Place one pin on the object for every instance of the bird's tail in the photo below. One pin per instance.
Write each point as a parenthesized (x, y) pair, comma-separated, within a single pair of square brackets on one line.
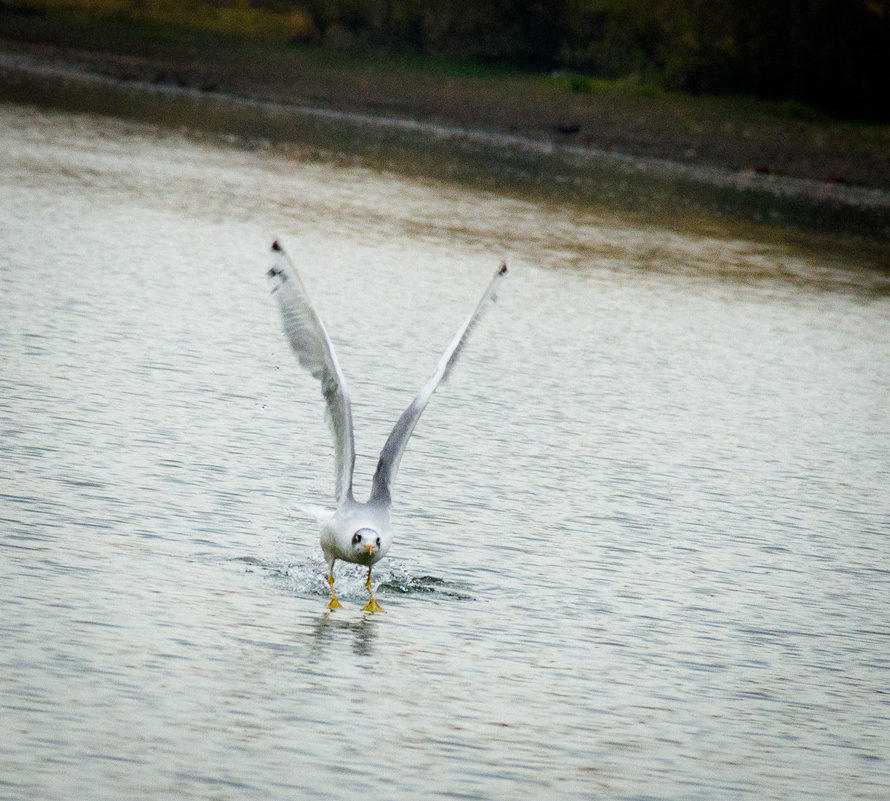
[(320, 513)]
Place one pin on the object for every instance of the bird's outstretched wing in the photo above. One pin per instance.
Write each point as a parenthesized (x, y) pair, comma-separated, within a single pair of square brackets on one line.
[(391, 455), (309, 340)]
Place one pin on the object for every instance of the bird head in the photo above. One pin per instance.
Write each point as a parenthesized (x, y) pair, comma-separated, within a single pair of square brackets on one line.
[(366, 546)]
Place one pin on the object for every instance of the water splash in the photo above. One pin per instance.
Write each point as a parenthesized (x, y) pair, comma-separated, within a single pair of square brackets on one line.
[(308, 578), (401, 581)]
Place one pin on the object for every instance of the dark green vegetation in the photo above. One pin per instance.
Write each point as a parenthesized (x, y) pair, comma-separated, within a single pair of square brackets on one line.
[(829, 53)]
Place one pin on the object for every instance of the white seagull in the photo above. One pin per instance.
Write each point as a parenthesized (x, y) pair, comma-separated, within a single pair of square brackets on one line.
[(354, 531)]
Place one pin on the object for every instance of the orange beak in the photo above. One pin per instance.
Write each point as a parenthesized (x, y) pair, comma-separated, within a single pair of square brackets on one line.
[(370, 549)]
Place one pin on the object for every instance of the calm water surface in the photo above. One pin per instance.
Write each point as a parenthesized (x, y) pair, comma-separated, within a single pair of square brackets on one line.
[(641, 536)]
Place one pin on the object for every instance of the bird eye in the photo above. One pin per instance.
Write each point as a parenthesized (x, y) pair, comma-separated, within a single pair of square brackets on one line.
[(378, 542), (356, 538)]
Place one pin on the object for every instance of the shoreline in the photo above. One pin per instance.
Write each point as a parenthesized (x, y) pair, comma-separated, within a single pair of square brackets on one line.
[(55, 72)]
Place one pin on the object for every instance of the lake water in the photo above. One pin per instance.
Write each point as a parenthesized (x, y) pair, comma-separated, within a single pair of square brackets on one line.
[(641, 536)]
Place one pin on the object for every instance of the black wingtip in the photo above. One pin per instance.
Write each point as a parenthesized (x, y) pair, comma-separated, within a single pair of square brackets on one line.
[(503, 270), (276, 247)]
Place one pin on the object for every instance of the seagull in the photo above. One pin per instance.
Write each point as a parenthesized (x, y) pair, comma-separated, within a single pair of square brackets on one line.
[(355, 532)]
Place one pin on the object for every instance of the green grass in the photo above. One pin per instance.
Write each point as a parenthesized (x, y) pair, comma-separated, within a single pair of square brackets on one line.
[(237, 18)]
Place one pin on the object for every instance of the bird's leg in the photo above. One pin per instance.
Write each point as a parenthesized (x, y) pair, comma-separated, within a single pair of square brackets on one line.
[(372, 605), (333, 603)]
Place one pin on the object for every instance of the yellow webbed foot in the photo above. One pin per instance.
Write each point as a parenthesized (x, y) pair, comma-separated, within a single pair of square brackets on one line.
[(333, 603), (373, 606)]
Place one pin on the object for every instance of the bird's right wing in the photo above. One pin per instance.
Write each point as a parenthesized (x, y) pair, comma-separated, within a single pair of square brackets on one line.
[(391, 455), (309, 340)]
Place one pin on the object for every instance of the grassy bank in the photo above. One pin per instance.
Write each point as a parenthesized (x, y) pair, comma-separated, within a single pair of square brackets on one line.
[(255, 53)]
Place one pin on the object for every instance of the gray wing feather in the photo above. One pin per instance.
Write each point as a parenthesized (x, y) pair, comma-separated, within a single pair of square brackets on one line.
[(309, 340), (391, 455)]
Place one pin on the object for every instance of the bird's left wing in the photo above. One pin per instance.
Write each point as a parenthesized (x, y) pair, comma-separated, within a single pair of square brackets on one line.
[(309, 340), (391, 455)]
